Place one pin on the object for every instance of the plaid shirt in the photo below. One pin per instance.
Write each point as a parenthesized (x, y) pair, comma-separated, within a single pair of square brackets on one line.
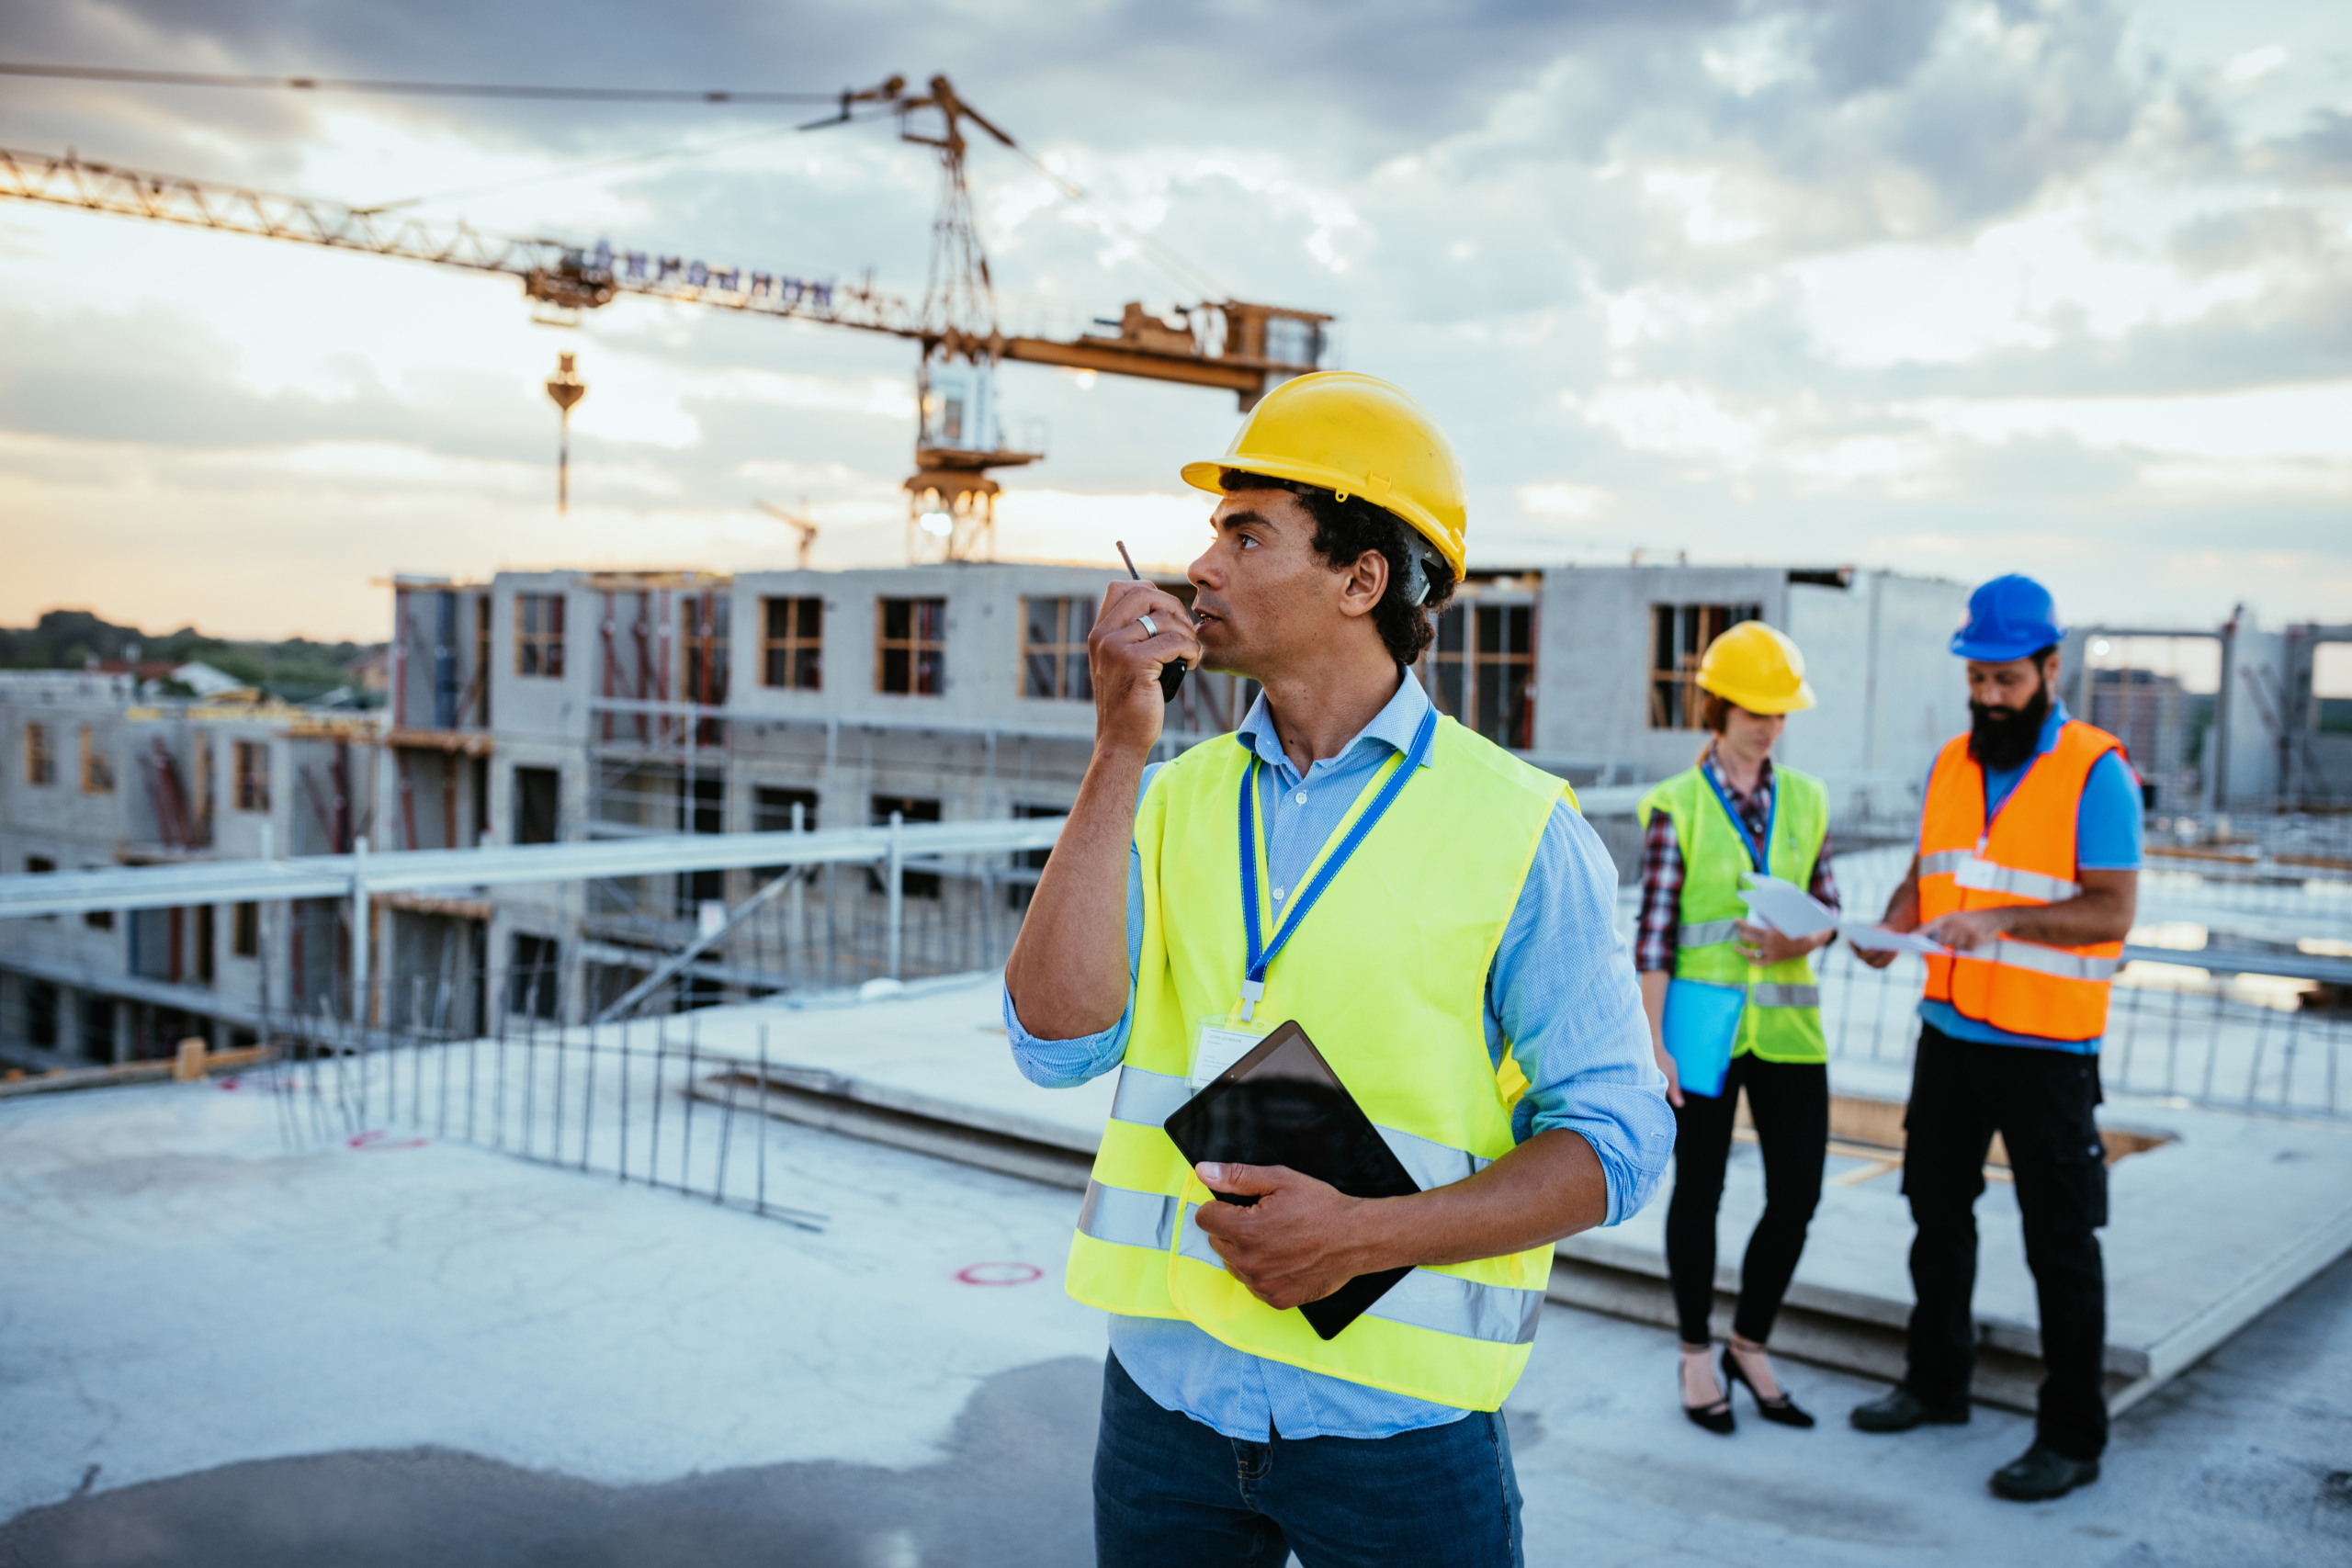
[(1655, 932)]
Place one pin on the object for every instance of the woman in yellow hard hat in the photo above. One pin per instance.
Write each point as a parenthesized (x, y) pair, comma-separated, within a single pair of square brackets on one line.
[(1733, 1005)]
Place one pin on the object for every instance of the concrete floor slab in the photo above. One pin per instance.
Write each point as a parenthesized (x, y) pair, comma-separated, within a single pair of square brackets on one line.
[(2231, 1213), (214, 1351)]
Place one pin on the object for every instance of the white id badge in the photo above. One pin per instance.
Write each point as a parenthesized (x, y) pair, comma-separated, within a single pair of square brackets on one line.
[(1217, 1043)]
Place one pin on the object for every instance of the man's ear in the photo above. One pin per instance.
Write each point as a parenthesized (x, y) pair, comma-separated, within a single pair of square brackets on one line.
[(1367, 582)]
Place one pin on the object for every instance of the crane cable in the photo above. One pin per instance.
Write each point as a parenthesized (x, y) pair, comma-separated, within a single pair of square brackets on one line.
[(414, 89)]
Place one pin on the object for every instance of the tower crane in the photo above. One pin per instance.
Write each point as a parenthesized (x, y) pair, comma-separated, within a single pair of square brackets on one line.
[(1230, 344)]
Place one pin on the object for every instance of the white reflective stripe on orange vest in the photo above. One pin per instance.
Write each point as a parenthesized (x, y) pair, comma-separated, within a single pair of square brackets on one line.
[(1943, 863), (2044, 960), (1986, 876)]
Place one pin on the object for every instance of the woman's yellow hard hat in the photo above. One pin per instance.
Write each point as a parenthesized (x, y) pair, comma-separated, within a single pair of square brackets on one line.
[(1757, 668), (1355, 435)]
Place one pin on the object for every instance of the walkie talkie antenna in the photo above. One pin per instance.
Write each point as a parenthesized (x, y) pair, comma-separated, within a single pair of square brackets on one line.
[(1171, 674)]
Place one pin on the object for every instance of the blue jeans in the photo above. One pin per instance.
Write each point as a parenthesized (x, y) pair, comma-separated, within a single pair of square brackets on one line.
[(1170, 1492)]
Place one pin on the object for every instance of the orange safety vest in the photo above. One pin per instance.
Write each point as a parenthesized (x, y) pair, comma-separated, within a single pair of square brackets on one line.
[(2028, 858)]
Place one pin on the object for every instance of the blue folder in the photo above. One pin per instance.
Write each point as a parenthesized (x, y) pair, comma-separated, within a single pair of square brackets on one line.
[(1700, 1025)]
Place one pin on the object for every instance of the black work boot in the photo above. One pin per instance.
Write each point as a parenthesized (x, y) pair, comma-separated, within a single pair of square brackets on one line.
[(1902, 1410), (2039, 1474)]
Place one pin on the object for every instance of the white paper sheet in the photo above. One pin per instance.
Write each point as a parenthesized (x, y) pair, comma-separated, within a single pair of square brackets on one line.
[(1880, 939), (1785, 907)]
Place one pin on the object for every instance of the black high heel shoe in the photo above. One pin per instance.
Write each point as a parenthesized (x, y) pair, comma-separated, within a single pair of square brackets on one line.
[(1716, 1417), (1783, 1410)]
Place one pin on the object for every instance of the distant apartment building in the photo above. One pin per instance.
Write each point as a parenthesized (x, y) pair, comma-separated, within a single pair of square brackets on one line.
[(90, 776), (541, 707), (573, 705)]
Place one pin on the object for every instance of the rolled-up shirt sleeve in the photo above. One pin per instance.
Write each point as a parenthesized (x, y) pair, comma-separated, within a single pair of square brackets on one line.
[(1561, 997)]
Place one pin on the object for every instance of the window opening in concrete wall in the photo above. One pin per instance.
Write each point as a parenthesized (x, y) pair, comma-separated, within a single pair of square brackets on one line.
[(97, 1028), (253, 775), (98, 919), (791, 651), (910, 646), (538, 633), (244, 931), (771, 813), (696, 888), (481, 661), (207, 918), (39, 865), (40, 1014), (705, 625), (536, 794), (1053, 648), (41, 762), (1679, 638), (910, 808), (98, 768), (531, 985), (1481, 671)]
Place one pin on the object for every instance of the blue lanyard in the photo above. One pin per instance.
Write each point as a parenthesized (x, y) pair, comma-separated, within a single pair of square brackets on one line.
[(1757, 854), (1261, 956)]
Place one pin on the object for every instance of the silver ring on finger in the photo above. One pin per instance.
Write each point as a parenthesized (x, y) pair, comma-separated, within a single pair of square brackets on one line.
[(1150, 627)]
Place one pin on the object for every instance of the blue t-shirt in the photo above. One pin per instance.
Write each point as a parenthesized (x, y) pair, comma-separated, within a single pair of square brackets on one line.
[(2107, 837)]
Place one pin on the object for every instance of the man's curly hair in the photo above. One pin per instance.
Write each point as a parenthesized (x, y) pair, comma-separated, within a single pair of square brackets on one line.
[(1343, 531)]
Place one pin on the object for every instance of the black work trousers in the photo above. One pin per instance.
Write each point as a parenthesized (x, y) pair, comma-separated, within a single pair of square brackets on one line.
[(2040, 1101), (1789, 1102)]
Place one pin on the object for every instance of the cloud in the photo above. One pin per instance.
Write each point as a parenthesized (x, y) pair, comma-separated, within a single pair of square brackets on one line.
[(1739, 277)]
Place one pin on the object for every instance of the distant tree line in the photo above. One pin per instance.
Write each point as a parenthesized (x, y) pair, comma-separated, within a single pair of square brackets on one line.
[(295, 669)]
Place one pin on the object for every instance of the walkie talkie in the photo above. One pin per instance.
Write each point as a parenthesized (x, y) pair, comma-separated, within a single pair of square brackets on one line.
[(1171, 674)]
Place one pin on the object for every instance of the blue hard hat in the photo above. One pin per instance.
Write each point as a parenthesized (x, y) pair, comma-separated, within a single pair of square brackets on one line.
[(2009, 617)]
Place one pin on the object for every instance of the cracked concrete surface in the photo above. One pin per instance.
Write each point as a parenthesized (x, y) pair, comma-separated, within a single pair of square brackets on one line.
[(440, 1354)]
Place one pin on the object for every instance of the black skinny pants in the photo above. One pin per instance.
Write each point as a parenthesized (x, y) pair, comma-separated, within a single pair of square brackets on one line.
[(2040, 1102), (1789, 1102)]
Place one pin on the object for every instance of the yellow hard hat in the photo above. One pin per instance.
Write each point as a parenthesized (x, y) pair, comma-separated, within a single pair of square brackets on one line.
[(1356, 436), (1757, 668)]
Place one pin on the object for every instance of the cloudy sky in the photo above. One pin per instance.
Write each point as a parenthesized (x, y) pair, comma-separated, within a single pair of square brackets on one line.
[(1952, 288)]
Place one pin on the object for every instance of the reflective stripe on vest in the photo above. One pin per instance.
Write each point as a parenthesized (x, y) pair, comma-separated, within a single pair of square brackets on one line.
[(1444, 1304), (2058, 961), (2023, 857), (1127, 1218), (1405, 1031), (1985, 876), (1783, 1023), (1150, 1099), (1147, 1098)]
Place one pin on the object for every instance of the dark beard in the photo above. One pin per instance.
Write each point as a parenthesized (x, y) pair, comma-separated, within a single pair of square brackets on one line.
[(2003, 740)]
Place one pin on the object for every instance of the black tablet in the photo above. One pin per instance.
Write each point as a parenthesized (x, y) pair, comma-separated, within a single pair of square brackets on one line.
[(1281, 1104)]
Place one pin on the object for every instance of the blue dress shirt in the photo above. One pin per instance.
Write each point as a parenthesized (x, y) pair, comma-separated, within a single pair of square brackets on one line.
[(2107, 837), (1560, 996)]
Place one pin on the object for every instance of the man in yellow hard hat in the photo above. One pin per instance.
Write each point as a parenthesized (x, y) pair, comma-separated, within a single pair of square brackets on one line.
[(1437, 917), (1733, 1005)]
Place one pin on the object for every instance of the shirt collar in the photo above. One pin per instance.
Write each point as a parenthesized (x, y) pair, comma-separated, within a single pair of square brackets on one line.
[(1763, 777), (1392, 727)]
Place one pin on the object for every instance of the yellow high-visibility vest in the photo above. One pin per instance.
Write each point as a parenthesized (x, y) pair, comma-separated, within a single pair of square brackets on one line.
[(1387, 975), (1783, 1020)]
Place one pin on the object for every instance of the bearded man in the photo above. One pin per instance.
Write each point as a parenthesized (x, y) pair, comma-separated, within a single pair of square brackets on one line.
[(2027, 869)]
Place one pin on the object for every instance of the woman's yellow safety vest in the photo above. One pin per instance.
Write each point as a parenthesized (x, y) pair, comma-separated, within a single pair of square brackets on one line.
[(1387, 975), (1783, 1020)]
